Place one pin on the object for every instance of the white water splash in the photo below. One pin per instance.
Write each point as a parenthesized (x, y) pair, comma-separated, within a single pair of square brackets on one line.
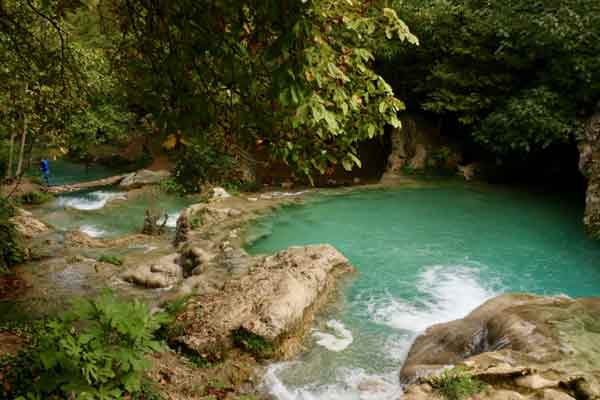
[(172, 219), (447, 293), (444, 293), (92, 231), (352, 384), (338, 340), (91, 201)]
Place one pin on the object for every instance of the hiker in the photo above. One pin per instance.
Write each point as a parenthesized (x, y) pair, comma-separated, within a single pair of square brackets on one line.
[(45, 168)]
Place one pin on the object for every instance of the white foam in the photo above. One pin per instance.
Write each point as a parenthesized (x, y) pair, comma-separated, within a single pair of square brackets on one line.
[(338, 340), (172, 219), (92, 231), (351, 384), (91, 201), (447, 293), (444, 293)]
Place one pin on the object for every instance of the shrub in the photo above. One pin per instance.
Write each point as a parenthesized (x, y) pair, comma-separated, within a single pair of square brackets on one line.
[(111, 259), (35, 198), (96, 351), (12, 251), (171, 186), (252, 343), (202, 162), (456, 384)]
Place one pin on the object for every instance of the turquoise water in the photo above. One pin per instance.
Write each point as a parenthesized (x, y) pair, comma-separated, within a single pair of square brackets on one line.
[(107, 212), (425, 255)]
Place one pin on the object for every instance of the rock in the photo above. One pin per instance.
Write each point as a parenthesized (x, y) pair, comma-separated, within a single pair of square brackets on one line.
[(419, 145), (589, 165), (27, 225), (468, 171), (205, 214), (521, 342), (143, 177), (10, 344), (535, 382), (274, 298), (551, 394), (218, 193), (164, 273)]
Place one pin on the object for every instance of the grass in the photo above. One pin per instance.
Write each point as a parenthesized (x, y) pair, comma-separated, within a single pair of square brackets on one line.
[(456, 384)]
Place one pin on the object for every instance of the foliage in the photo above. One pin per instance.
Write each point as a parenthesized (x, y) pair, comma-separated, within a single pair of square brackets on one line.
[(305, 89), (456, 384), (35, 197), (96, 351), (13, 251), (202, 162), (111, 259), (171, 327), (171, 186), (252, 343), (516, 75)]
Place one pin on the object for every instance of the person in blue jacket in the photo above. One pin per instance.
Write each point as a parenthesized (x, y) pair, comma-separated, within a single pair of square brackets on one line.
[(45, 168)]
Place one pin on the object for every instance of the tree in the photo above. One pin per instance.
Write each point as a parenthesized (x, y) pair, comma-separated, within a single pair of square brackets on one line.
[(516, 74), (293, 76)]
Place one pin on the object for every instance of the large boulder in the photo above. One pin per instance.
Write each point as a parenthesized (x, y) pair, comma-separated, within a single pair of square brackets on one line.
[(143, 177), (273, 301), (589, 165), (540, 347)]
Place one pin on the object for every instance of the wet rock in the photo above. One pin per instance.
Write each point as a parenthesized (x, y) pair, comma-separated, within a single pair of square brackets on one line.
[(273, 299), (27, 225), (165, 272), (143, 177)]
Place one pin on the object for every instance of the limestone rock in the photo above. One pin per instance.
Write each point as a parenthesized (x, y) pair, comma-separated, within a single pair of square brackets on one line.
[(551, 394), (165, 272), (27, 225), (143, 177), (535, 382), (218, 193), (419, 145), (274, 299), (589, 165), (533, 345)]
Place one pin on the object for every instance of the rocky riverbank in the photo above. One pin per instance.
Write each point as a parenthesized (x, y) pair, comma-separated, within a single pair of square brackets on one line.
[(520, 346)]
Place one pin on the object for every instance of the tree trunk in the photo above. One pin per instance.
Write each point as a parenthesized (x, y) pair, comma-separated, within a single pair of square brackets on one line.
[(11, 146), (23, 137)]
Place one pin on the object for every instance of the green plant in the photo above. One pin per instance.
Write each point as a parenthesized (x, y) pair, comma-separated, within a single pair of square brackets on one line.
[(111, 259), (171, 186), (12, 251), (252, 343), (456, 384), (202, 162), (35, 198), (96, 351)]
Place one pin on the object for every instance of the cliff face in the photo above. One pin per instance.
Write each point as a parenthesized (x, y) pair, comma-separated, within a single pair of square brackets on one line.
[(589, 165)]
